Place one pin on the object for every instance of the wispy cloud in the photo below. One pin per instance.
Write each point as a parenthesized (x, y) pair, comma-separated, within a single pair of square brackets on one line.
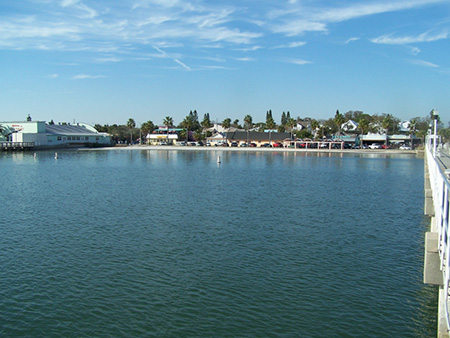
[(53, 76), (163, 54), (300, 19), (245, 59), (351, 40), (300, 62), (404, 40), (424, 63), (415, 50), (87, 76), (294, 44)]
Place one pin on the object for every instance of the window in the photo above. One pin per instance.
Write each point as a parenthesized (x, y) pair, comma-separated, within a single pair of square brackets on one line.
[(59, 138), (97, 138), (86, 138), (78, 138)]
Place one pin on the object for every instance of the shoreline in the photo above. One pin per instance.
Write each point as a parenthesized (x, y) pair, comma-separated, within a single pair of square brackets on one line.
[(251, 149)]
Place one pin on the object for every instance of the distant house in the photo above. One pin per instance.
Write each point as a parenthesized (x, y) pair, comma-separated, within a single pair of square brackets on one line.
[(53, 135), (164, 134), (301, 125), (349, 126), (216, 139), (403, 126)]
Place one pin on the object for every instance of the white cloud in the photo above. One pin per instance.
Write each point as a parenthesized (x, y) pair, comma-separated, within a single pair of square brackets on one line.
[(87, 76), (245, 59), (108, 59), (424, 63), (299, 62), (292, 45), (296, 21), (182, 64), (53, 76), (424, 37), (415, 50), (351, 40)]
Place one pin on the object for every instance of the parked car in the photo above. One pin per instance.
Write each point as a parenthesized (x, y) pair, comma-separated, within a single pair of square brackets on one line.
[(243, 145), (375, 146), (278, 145), (253, 145), (405, 147), (266, 145), (182, 143), (162, 143), (234, 144), (208, 144), (384, 146)]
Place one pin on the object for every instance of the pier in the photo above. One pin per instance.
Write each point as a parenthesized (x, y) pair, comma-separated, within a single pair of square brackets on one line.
[(12, 146), (437, 241)]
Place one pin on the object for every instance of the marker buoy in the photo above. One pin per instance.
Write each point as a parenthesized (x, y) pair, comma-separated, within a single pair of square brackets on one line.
[(56, 156), (218, 159)]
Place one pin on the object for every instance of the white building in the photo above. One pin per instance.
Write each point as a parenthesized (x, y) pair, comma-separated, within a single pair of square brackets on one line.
[(52, 135)]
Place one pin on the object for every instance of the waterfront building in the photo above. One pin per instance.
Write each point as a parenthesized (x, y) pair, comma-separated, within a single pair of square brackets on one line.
[(164, 135), (256, 137), (43, 135)]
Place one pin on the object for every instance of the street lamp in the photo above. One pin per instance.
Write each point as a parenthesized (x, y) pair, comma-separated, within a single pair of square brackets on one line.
[(434, 116)]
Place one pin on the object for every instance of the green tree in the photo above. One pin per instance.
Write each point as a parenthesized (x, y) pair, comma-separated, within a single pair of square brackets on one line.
[(131, 125), (290, 124), (248, 122), (339, 120), (147, 128), (188, 124), (412, 130), (315, 127), (236, 124), (168, 122), (206, 123), (226, 123), (283, 119)]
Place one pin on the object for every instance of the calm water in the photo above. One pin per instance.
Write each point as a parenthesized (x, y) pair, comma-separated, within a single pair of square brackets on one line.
[(126, 243)]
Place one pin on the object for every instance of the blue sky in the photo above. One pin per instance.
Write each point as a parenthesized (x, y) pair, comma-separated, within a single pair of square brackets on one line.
[(106, 61)]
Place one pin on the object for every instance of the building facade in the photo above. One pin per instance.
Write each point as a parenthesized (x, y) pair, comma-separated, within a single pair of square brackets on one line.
[(52, 135)]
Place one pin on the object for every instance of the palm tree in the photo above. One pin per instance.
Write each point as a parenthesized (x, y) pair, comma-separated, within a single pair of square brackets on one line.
[(187, 123), (248, 122), (412, 129), (206, 123), (226, 124), (147, 128), (315, 126), (131, 125), (339, 120), (270, 124), (168, 122), (291, 123)]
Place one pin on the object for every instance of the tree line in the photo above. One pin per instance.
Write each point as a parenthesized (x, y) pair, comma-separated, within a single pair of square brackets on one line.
[(311, 128)]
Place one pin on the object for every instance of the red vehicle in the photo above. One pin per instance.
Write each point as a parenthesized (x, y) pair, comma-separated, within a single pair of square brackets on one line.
[(252, 144), (278, 145), (384, 146)]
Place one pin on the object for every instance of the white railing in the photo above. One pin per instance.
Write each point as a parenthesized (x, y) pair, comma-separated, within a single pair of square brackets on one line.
[(440, 191)]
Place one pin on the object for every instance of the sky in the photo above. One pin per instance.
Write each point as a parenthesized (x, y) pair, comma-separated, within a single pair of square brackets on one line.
[(106, 61)]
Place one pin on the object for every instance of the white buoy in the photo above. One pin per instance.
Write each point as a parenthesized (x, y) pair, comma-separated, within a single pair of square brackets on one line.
[(34, 155), (218, 159), (56, 156)]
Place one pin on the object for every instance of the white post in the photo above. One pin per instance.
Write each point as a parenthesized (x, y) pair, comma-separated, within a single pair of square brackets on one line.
[(435, 118)]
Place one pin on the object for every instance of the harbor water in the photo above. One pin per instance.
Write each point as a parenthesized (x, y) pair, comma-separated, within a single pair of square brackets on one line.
[(166, 243)]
